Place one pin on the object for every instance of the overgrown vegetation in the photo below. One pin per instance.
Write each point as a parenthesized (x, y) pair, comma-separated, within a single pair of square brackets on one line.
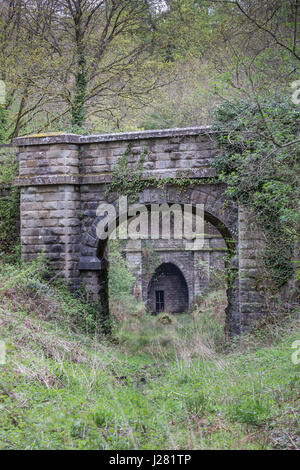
[(36, 284), (120, 285), (9, 207), (260, 163), (128, 182), (129, 179), (166, 385)]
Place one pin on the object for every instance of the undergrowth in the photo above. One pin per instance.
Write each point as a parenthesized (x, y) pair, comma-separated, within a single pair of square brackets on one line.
[(164, 383)]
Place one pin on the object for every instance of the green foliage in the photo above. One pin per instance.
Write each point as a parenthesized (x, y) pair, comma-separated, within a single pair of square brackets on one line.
[(120, 279), (28, 280), (167, 335), (298, 271), (120, 283), (130, 182), (250, 410), (198, 404), (9, 208), (3, 124), (218, 278), (260, 164), (126, 181), (62, 387), (8, 168)]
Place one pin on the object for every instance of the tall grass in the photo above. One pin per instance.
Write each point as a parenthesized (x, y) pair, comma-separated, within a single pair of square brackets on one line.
[(167, 385), (200, 333)]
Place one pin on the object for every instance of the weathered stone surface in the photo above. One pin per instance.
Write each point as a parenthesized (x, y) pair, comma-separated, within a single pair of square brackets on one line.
[(63, 180)]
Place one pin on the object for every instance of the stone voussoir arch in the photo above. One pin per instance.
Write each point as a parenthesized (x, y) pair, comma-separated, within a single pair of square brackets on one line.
[(63, 178)]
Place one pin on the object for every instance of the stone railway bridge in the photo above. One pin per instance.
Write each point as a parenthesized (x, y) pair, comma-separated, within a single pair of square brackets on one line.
[(63, 179)]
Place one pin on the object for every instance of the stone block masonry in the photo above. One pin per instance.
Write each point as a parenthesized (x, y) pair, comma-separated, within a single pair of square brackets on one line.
[(63, 178)]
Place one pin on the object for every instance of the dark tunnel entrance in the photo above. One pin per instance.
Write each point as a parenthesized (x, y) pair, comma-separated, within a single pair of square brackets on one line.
[(168, 291)]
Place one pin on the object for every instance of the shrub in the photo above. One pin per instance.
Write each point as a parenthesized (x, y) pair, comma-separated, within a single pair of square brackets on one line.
[(25, 287)]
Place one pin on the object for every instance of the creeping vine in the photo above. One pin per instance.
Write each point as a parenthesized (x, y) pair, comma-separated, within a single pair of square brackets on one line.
[(131, 182)]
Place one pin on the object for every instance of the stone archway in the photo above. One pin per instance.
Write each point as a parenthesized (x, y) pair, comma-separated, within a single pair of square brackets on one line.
[(63, 179), (168, 290), (223, 219)]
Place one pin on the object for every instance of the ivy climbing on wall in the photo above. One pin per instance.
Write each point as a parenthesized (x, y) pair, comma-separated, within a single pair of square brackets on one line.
[(131, 182), (260, 164)]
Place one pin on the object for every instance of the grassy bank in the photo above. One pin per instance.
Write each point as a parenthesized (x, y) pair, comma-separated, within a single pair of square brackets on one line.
[(159, 383)]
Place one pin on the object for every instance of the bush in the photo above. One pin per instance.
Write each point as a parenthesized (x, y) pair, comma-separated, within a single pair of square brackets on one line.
[(28, 287)]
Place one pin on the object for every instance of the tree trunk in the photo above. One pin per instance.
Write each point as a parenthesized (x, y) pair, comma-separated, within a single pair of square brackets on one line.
[(78, 112)]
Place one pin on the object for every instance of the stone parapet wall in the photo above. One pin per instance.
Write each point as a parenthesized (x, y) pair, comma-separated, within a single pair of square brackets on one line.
[(71, 159), (163, 157)]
